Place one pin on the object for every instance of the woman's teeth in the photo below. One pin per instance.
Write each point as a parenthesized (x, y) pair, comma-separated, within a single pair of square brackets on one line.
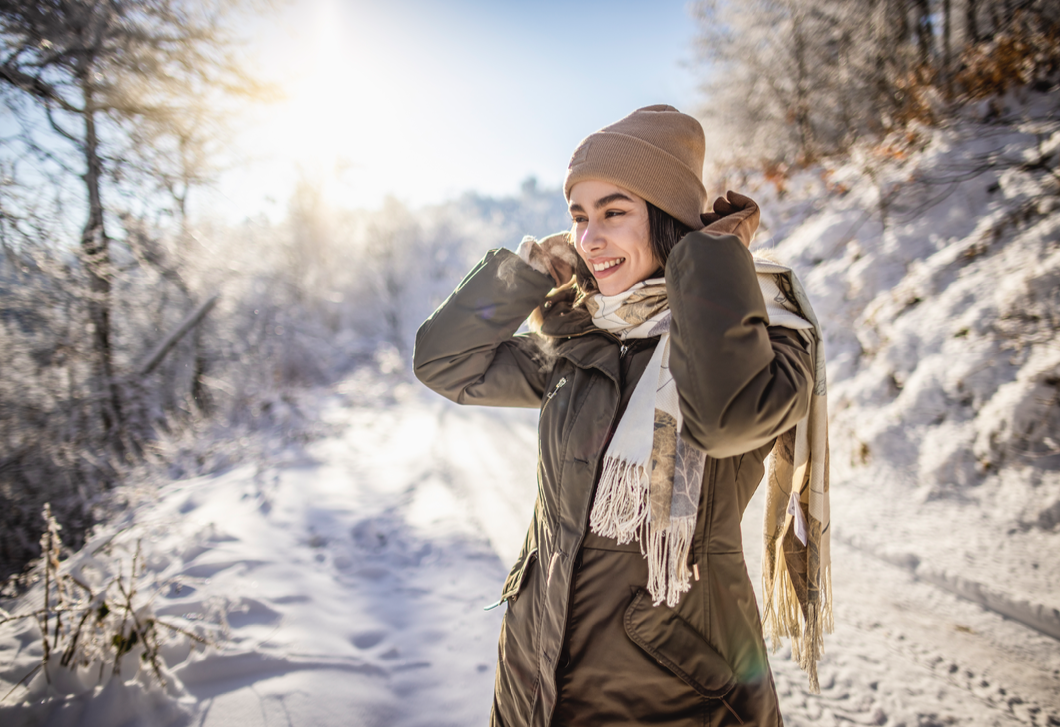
[(600, 267)]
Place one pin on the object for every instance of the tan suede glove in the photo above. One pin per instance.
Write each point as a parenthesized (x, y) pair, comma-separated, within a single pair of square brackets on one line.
[(738, 215), (554, 255)]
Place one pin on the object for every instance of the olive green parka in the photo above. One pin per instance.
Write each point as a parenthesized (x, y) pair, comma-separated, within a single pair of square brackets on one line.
[(581, 642)]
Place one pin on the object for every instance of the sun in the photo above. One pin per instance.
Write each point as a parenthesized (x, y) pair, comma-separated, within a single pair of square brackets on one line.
[(317, 129)]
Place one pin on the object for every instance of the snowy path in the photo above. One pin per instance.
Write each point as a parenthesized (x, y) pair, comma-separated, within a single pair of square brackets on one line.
[(378, 609), (356, 578)]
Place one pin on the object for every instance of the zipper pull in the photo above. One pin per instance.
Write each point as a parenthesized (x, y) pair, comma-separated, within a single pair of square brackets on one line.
[(622, 351), (559, 385)]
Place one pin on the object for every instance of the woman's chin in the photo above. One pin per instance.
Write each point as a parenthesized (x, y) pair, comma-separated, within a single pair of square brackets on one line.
[(614, 287), (612, 284)]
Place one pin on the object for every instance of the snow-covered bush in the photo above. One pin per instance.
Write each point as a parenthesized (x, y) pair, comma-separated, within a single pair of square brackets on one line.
[(95, 621)]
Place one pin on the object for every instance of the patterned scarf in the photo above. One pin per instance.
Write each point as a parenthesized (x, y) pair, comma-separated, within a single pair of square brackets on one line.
[(796, 559), (651, 479)]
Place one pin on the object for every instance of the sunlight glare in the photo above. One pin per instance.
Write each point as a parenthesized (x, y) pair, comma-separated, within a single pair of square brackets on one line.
[(321, 122)]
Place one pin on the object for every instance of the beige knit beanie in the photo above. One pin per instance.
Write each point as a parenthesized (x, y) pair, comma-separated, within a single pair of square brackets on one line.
[(655, 152)]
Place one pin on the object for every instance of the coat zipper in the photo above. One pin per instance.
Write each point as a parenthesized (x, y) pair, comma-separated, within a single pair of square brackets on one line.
[(577, 549), (559, 385)]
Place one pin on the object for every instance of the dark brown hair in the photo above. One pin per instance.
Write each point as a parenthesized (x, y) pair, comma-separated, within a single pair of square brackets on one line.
[(664, 232)]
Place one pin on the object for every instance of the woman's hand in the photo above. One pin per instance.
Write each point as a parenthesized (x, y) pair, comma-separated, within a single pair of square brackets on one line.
[(738, 215), (553, 255)]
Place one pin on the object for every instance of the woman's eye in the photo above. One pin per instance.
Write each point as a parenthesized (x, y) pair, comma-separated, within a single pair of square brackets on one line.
[(579, 220), (614, 213)]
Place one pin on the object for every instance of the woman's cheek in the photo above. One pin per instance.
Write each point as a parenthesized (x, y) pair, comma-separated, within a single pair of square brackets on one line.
[(576, 236)]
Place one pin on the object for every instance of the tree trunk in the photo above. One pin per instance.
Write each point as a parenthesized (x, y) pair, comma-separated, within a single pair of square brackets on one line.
[(94, 246), (199, 393), (947, 48), (924, 31), (971, 22), (181, 194), (802, 83), (900, 12)]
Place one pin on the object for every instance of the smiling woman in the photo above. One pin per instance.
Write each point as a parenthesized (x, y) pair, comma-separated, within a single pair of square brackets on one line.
[(662, 388)]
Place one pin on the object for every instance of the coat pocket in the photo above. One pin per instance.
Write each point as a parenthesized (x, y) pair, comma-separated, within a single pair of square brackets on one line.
[(514, 585), (672, 642)]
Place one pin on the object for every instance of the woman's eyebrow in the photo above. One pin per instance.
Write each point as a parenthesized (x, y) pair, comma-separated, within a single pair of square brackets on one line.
[(602, 202)]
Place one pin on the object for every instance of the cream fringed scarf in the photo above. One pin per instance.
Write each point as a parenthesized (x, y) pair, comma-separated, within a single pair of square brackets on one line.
[(796, 559), (651, 479)]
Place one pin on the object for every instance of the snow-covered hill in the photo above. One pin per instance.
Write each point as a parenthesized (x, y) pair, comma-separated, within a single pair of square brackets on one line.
[(934, 263)]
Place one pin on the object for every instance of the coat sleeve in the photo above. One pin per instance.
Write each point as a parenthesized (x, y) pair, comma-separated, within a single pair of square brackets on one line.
[(468, 352), (741, 383)]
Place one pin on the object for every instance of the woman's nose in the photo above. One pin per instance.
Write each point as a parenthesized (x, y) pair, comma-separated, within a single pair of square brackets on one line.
[(590, 240)]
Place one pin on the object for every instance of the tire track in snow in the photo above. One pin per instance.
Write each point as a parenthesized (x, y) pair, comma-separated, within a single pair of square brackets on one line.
[(906, 652)]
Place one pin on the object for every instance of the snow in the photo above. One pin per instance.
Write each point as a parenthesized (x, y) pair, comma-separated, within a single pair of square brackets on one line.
[(354, 574), (353, 577), (344, 582)]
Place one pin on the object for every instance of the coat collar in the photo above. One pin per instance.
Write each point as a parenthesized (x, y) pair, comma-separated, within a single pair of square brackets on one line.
[(592, 350), (570, 330)]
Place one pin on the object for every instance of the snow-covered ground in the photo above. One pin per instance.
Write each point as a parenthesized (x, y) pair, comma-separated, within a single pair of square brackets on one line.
[(354, 577), (344, 583)]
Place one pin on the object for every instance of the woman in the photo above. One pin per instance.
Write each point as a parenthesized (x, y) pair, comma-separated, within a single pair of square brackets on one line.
[(630, 602)]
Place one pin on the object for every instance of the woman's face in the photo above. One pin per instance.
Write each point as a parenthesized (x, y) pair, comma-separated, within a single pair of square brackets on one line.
[(611, 234)]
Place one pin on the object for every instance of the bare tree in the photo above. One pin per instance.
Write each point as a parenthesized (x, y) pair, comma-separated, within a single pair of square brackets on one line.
[(791, 80), (119, 107), (127, 84)]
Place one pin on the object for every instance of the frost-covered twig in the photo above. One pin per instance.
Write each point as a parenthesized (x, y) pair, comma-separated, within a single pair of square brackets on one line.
[(101, 624)]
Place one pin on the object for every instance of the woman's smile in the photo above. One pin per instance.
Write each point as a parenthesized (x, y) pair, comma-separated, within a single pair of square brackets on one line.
[(607, 265)]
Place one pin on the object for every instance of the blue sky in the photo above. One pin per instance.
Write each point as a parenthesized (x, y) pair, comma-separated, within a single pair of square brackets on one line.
[(423, 99)]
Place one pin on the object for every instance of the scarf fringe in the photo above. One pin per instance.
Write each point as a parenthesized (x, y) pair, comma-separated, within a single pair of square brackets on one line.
[(623, 513), (668, 573), (620, 510), (784, 616)]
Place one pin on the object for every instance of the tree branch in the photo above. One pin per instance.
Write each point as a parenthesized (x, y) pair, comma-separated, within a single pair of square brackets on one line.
[(189, 322), (36, 87)]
